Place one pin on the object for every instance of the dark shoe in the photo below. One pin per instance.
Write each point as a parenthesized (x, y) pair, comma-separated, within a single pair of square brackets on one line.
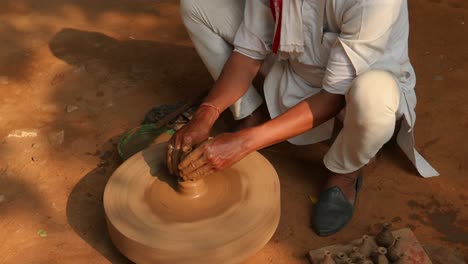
[(333, 211)]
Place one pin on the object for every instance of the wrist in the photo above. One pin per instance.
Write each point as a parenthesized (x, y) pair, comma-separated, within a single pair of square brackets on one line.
[(207, 115), (250, 138), (211, 106)]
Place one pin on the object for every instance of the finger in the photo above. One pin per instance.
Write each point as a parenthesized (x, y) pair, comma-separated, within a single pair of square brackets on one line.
[(169, 161), (199, 173), (193, 156), (187, 144), (183, 156), (194, 165), (170, 149), (175, 161), (186, 149), (175, 156)]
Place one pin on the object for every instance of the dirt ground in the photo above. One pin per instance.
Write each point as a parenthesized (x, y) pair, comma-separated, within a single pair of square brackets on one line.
[(75, 74)]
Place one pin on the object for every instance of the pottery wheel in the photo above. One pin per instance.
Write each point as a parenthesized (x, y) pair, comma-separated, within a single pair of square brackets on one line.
[(224, 218)]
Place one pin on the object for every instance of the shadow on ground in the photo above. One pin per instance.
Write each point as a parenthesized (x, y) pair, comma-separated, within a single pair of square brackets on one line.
[(85, 211), (147, 64)]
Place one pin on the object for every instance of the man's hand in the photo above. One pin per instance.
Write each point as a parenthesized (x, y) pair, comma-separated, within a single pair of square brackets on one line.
[(194, 133), (237, 75), (214, 155)]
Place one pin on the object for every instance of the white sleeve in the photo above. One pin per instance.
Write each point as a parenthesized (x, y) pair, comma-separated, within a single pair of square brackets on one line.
[(365, 31), (255, 34), (249, 44), (366, 28), (340, 72)]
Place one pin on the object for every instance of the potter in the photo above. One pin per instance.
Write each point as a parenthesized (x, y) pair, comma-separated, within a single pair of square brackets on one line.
[(322, 59)]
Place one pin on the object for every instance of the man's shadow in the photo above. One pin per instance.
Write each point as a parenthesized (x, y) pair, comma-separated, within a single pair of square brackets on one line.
[(174, 70), (172, 66)]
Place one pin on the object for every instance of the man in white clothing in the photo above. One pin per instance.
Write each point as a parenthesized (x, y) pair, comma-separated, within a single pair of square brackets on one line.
[(319, 58)]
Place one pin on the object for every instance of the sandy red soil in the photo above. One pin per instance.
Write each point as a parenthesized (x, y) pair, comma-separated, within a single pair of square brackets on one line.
[(114, 60)]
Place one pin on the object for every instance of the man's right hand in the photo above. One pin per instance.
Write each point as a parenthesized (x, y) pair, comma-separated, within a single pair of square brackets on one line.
[(194, 133)]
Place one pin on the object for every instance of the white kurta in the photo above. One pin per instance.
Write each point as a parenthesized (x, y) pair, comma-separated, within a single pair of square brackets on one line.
[(342, 39)]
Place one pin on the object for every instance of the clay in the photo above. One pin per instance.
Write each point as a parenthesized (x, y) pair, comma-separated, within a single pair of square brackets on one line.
[(405, 240), (360, 260), (378, 256), (385, 237), (367, 245), (394, 253), (192, 189), (356, 255), (154, 218), (341, 258), (327, 258)]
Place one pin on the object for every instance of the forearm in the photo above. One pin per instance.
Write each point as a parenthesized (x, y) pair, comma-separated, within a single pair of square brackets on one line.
[(308, 114), (235, 79)]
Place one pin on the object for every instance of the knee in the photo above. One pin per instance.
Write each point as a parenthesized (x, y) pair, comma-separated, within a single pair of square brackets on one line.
[(372, 101), (375, 91)]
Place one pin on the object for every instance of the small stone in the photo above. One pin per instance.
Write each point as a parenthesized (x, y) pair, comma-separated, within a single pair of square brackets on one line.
[(42, 233), (18, 133), (2, 198), (71, 108), (56, 138), (438, 78)]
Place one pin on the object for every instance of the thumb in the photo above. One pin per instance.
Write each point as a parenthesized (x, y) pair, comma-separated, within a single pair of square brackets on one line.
[(187, 144)]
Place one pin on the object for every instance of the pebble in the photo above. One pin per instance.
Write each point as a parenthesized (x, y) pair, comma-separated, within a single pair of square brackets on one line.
[(71, 108), (42, 233)]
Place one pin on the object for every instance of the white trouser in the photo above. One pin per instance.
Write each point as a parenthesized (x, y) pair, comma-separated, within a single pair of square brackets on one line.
[(212, 26), (370, 116), (371, 102)]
